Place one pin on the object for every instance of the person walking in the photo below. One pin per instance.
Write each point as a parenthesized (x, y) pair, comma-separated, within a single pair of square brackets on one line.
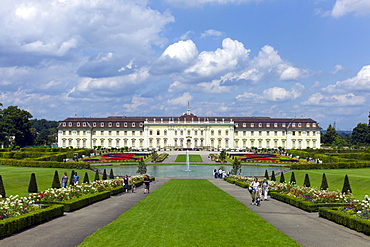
[(265, 188), (146, 183), (125, 183), (254, 186), (64, 180), (76, 178)]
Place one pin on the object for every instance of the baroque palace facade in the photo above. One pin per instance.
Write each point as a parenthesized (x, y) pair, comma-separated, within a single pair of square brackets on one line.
[(189, 132)]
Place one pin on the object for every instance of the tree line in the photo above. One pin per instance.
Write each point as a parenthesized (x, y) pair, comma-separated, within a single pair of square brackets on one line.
[(359, 137), (17, 129)]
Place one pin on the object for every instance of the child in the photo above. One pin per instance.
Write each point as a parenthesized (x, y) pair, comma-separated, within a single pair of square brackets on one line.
[(133, 186), (259, 195)]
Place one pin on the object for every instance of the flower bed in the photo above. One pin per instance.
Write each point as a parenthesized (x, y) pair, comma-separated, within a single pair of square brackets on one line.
[(270, 158), (129, 157)]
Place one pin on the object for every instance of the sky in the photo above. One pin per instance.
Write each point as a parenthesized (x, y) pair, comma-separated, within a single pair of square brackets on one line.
[(270, 58)]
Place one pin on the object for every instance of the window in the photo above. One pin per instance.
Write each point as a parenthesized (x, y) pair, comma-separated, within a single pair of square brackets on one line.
[(125, 124), (70, 124), (259, 124), (244, 133), (158, 132), (102, 133), (226, 132), (181, 132), (84, 124), (133, 124), (219, 132), (117, 124), (70, 132), (165, 132), (133, 132), (244, 125), (102, 124), (141, 124), (212, 132), (299, 125), (175, 132), (260, 133), (236, 125), (151, 132), (64, 124), (275, 125), (117, 132), (283, 125), (78, 132), (252, 133), (307, 125), (268, 125), (78, 124), (188, 132), (252, 124), (201, 132), (268, 133), (314, 125), (109, 133), (94, 124), (276, 133), (125, 132), (110, 124), (293, 124), (195, 132)]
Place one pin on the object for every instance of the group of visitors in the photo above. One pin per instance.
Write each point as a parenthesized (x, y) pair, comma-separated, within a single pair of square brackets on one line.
[(220, 173), (258, 190), (64, 179)]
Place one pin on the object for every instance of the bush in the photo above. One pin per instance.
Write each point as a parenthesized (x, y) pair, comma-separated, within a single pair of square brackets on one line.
[(282, 178), (96, 176), (292, 179), (267, 175), (307, 182), (104, 175), (2, 189), (273, 176), (56, 182), (324, 182), (111, 176), (32, 187), (86, 178), (346, 186)]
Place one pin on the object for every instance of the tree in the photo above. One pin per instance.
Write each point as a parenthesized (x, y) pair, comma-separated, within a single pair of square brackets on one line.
[(32, 187), (236, 167), (361, 134), (86, 178), (282, 178), (346, 186), (307, 182), (104, 175), (273, 176), (324, 182), (96, 176), (2, 189), (222, 156), (141, 168), (16, 124), (292, 179), (111, 176), (329, 136), (266, 174), (56, 181)]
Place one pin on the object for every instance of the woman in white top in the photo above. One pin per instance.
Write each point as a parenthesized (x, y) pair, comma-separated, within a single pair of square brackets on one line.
[(254, 185)]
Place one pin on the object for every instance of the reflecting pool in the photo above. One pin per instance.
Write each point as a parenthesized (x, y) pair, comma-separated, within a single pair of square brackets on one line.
[(195, 170)]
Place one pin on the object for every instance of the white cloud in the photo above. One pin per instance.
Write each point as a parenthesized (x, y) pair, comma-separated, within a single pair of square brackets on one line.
[(281, 94), (246, 96), (361, 82), (211, 32), (230, 57), (344, 7), (193, 3), (335, 100), (337, 68), (182, 100), (214, 87), (184, 51)]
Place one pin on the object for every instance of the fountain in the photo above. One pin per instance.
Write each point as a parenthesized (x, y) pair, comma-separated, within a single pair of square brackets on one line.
[(187, 162)]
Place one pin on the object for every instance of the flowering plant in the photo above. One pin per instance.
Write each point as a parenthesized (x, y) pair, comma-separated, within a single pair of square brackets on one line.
[(14, 206), (358, 209)]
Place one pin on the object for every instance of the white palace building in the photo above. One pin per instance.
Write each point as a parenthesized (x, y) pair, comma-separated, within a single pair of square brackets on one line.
[(189, 132)]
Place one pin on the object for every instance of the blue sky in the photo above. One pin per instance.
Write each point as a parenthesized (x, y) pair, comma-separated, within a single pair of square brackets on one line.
[(275, 58)]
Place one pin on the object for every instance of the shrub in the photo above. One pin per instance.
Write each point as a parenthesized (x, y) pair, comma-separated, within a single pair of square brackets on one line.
[(104, 175), (32, 187), (111, 176), (273, 176), (2, 189), (282, 178), (292, 179), (86, 178), (96, 176), (56, 182), (307, 182), (267, 175), (324, 182), (346, 185)]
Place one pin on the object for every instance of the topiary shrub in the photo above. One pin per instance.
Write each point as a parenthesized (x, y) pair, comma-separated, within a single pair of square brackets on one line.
[(56, 181), (32, 187), (282, 178), (96, 176), (307, 182), (2, 189), (86, 178), (346, 185), (71, 182), (273, 176), (292, 179), (111, 176), (266, 175), (324, 182), (104, 175)]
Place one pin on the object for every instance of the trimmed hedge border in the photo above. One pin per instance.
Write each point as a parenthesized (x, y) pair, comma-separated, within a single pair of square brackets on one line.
[(77, 203), (15, 224), (357, 224), (44, 164), (304, 205), (334, 165)]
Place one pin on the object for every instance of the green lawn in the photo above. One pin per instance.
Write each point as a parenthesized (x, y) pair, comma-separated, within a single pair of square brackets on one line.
[(17, 179), (192, 158), (358, 178), (189, 213)]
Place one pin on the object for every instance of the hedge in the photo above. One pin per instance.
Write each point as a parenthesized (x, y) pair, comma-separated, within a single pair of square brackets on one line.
[(44, 164), (335, 165), (13, 225), (302, 204), (357, 224)]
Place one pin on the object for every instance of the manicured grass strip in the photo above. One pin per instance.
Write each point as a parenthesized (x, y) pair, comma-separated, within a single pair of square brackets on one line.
[(357, 177), (17, 179), (189, 213), (192, 158)]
